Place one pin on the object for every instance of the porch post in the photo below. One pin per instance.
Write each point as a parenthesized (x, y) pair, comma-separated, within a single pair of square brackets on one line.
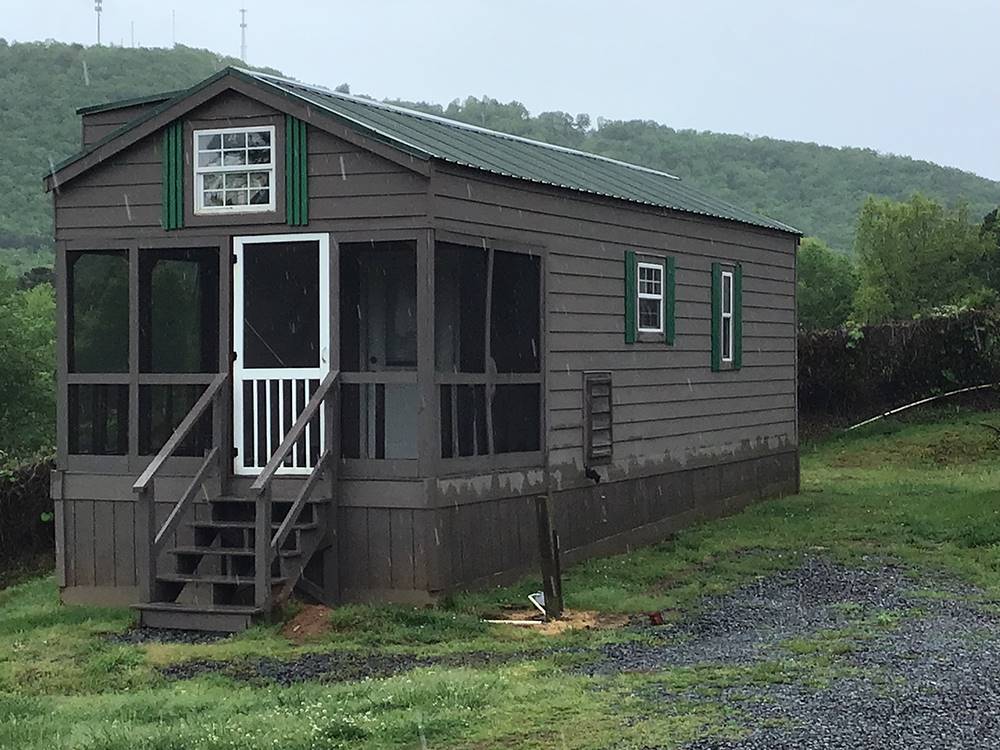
[(222, 413), (145, 552), (262, 550), (428, 431)]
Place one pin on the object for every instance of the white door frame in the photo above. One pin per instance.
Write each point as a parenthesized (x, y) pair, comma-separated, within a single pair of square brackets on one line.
[(241, 465)]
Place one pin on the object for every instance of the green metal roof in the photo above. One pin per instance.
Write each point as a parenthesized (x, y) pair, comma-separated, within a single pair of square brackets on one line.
[(430, 137), (512, 156), (122, 103)]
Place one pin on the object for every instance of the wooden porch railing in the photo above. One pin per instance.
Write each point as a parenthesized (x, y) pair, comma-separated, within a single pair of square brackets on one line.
[(149, 539), (266, 546)]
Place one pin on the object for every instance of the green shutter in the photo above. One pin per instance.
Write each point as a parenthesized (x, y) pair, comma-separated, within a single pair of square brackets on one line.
[(173, 176), (670, 301), (738, 317), (631, 294), (716, 317), (296, 172)]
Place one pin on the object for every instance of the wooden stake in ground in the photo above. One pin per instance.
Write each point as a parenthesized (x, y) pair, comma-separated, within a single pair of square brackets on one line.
[(548, 552)]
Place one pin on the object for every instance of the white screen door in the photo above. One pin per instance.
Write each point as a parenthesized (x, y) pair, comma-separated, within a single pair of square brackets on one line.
[(281, 336)]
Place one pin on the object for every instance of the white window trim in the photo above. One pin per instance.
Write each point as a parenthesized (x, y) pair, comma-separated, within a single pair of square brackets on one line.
[(659, 267), (726, 320), (199, 173)]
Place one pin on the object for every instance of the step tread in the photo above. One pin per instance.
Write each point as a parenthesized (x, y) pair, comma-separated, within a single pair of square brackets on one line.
[(286, 501), (246, 525), (235, 551), (201, 609), (210, 578)]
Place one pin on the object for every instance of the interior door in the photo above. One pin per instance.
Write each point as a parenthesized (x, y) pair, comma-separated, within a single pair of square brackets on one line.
[(281, 320)]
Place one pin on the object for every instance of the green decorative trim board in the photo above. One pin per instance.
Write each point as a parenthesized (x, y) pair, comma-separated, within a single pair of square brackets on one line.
[(738, 317), (631, 295), (296, 172), (716, 317), (173, 176), (670, 301)]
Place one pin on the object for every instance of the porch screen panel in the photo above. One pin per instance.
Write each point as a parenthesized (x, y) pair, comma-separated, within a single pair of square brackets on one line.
[(97, 347), (460, 279), (380, 400), (161, 409), (514, 329), (98, 311), (179, 311), (488, 350), (98, 419), (178, 335)]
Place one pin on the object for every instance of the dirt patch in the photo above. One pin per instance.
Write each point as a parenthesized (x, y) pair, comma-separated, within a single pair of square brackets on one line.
[(312, 621), (571, 620)]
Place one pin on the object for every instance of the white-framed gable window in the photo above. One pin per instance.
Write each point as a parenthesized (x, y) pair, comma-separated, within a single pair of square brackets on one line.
[(726, 312), (650, 297), (234, 170)]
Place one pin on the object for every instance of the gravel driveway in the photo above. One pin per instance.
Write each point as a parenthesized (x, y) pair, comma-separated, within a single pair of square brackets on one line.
[(927, 675)]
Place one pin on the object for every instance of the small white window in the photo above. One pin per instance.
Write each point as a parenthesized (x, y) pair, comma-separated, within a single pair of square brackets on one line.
[(727, 316), (234, 170), (650, 301)]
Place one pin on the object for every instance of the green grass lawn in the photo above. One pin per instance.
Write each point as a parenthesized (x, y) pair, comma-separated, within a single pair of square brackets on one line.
[(924, 492)]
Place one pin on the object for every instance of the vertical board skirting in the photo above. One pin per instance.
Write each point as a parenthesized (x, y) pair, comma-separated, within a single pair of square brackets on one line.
[(670, 300), (173, 176), (631, 294), (716, 317), (738, 317), (296, 172)]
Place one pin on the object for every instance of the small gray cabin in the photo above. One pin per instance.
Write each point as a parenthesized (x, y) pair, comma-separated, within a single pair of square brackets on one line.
[(307, 340)]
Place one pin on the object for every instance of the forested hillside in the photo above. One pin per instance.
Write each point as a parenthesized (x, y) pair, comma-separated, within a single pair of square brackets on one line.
[(817, 189), (41, 86)]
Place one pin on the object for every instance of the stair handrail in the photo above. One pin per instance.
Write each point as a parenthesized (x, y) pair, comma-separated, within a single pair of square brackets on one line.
[(265, 548), (149, 539), (292, 517), (173, 442)]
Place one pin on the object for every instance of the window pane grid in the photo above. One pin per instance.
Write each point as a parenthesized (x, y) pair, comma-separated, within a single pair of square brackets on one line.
[(650, 297), (234, 169), (727, 316)]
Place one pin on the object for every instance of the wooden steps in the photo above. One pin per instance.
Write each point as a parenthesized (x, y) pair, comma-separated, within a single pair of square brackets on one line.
[(211, 584), (247, 525), (223, 618), (227, 551), (218, 580)]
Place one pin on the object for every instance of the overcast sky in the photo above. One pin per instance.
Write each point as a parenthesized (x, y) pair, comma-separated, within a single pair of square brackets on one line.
[(915, 77)]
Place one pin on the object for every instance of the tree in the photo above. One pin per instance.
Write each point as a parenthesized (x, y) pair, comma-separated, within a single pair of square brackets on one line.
[(915, 256), (27, 391), (989, 230), (826, 285)]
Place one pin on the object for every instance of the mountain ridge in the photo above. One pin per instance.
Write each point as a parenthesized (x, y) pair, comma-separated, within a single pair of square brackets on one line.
[(816, 188)]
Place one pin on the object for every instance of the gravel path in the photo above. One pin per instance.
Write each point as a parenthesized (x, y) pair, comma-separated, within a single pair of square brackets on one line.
[(932, 681), (137, 636), (328, 667)]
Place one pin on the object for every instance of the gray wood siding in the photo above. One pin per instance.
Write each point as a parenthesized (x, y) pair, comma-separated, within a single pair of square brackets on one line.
[(388, 550), (670, 409), (97, 125), (349, 188)]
